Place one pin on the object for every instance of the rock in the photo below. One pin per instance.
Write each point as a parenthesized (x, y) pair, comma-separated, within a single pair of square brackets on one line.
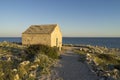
[(88, 58), (9, 59), (16, 77), (90, 51), (81, 49), (2, 74), (33, 67), (25, 63), (32, 74), (108, 74), (116, 74), (14, 70), (88, 55), (98, 50), (85, 49), (101, 51)]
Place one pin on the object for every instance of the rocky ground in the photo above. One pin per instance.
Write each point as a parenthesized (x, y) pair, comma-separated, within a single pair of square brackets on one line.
[(81, 62), (85, 66), (104, 62), (19, 62), (70, 68)]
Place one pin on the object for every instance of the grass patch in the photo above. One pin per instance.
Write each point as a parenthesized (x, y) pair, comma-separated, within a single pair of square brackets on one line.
[(82, 55), (108, 58), (103, 60)]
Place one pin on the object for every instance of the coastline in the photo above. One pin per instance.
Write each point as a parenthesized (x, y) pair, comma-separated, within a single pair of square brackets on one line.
[(109, 42), (103, 61), (87, 55)]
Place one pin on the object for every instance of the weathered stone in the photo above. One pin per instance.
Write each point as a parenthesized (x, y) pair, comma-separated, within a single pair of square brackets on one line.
[(14, 70), (9, 59), (85, 49), (33, 67), (116, 74), (43, 34), (32, 74), (25, 63), (16, 77), (81, 49)]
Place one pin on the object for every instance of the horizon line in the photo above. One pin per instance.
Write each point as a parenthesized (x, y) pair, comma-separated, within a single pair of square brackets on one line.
[(72, 37)]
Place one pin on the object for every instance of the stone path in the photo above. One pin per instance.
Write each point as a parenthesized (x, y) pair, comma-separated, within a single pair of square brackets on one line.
[(69, 68)]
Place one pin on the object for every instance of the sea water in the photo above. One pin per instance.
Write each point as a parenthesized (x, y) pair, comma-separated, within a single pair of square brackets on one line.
[(99, 41)]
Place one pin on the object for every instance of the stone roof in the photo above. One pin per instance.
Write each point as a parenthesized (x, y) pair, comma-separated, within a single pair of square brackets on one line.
[(40, 29)]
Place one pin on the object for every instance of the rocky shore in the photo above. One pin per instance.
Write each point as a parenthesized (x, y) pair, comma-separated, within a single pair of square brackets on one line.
[(103, 61)]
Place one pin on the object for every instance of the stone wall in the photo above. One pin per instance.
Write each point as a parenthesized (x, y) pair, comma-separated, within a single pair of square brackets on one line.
[(56, 34), (36, 39)]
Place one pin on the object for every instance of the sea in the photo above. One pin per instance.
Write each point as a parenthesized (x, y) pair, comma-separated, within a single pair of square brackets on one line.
[(110, 42)]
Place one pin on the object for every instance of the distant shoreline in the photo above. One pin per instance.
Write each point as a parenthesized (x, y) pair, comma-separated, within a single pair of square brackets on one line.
[(110, 42), (68, 37)]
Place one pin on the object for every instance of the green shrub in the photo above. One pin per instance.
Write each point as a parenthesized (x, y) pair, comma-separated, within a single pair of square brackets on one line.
[(44, 62), (108, 58), (82, 55), (80, 52), (33, 50), (104, 60), (6, 69), (23, 71), (30, 78)]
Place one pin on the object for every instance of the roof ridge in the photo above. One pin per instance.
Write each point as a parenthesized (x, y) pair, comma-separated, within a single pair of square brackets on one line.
[(43, 24), (41, 29)]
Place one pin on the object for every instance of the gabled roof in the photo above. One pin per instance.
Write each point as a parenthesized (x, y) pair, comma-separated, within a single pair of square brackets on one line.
[(40, 29)]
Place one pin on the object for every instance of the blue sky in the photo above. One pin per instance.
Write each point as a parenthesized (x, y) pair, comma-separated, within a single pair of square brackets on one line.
[(77, 18)]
